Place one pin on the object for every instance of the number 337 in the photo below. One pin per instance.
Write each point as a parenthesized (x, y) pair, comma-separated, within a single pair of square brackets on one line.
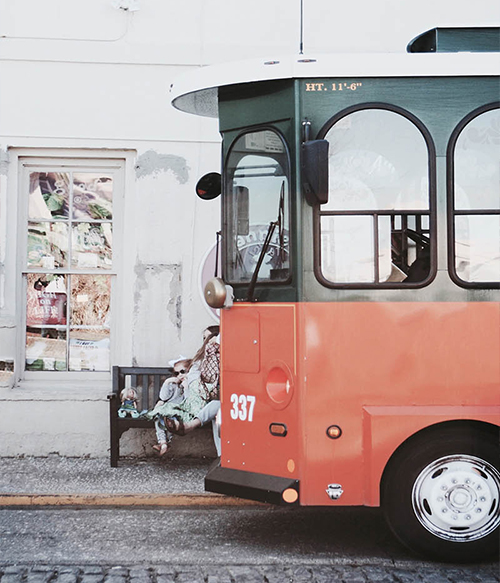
[(242, 407)]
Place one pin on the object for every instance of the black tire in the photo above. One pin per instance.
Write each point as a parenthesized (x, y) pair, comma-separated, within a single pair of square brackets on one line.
[(441, 493)]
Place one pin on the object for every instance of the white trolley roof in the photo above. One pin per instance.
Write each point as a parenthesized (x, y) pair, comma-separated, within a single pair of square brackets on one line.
[(197, 91)]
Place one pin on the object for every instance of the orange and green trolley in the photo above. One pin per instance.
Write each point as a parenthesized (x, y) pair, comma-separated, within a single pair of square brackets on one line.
[(360, 285)]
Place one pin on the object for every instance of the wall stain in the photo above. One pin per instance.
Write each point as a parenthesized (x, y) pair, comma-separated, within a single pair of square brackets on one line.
[(173, 305), (4, 162), (152, 163)]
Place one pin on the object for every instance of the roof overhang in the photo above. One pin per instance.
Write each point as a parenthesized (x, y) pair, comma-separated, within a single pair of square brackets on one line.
[(197, 91)]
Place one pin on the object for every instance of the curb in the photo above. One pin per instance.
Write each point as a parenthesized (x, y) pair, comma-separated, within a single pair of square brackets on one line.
[(184, 500)]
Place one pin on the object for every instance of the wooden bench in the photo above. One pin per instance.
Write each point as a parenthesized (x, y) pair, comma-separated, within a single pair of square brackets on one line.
[(147, 382)]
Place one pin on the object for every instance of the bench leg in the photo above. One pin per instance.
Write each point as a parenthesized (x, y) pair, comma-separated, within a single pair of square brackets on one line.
[(114, 447), (114, 436)]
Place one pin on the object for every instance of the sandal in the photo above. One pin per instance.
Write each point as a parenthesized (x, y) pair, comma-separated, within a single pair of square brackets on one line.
[(175, 425)]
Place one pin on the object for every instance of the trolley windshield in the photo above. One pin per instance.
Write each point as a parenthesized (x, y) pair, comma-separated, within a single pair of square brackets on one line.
[(257, 194)]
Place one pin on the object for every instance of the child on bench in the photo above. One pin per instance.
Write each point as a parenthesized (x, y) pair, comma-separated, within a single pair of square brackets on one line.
[(172, 391)]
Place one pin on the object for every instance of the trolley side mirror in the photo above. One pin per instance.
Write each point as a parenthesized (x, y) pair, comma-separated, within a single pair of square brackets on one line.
[(209, 186), (314, 168)]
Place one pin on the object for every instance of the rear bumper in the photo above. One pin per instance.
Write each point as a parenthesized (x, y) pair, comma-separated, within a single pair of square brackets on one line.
[(251, 486)]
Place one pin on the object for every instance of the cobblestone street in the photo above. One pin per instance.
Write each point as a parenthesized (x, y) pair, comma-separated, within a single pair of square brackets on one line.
[(247, 574)]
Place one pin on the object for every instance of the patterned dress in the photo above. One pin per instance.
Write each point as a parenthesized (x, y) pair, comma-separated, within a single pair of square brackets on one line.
[(203, 386)]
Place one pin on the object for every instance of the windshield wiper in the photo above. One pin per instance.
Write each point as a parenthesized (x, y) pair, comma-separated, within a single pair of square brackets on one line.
[(263, 251), (270, 231)]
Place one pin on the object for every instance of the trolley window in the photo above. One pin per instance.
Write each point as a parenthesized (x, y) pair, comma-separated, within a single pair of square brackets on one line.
[(377, 227), (257, 194), (475, 171)]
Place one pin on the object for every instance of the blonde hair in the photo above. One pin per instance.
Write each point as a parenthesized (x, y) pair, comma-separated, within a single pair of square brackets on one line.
[(128, 393)]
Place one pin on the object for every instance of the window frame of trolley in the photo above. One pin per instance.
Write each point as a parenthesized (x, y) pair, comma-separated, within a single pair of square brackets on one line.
[(240, 113)]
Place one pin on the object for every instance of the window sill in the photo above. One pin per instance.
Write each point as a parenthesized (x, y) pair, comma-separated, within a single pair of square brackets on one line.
[(56, 391)]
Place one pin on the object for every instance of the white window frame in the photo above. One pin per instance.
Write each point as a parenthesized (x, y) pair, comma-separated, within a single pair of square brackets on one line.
[(22, 160)]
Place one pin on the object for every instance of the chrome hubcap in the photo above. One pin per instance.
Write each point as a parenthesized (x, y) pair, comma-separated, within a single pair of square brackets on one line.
[(458, 498)]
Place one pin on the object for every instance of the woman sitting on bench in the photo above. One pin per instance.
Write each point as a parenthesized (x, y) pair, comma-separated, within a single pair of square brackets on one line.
[(202, 387)]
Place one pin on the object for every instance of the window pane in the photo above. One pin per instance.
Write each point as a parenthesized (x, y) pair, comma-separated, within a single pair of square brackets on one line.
[(89, 350), (378, 160), (47, 245), (92, 196), (91, 246), (45, 349), (46, 299), (49, 195), (347, 250), (257, 193), (90, 300), (477, 163), (477, 248)]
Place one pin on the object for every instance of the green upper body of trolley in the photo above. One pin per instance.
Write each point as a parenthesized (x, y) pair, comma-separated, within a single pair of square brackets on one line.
[(435, 105)]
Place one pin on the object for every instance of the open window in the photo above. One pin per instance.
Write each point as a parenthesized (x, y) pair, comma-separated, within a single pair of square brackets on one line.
[(377, 228)]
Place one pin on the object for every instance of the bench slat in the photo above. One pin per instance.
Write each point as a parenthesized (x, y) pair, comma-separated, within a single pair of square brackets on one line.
[(145, 391), (156, 388)]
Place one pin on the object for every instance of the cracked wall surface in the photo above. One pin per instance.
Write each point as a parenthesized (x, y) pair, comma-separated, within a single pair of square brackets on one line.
[(157, 316), (152, 162)]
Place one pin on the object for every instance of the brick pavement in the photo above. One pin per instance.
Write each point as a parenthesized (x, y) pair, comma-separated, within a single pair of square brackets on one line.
[(247, 574)]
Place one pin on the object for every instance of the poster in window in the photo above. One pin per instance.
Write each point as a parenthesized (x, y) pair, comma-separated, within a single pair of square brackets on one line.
[(46, 300)]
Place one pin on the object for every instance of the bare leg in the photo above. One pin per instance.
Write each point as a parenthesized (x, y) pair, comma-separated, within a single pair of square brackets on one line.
[(190, 425)]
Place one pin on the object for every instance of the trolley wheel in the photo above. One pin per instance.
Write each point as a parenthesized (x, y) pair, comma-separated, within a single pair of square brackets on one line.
[(441, 494)]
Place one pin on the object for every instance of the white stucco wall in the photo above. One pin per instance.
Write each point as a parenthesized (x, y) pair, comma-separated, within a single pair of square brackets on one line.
[(87, 78)]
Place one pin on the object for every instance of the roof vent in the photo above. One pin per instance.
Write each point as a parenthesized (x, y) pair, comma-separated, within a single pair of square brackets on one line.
[(453, 40)]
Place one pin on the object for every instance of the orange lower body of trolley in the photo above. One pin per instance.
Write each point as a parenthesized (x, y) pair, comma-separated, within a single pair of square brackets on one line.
[(318, 397)]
